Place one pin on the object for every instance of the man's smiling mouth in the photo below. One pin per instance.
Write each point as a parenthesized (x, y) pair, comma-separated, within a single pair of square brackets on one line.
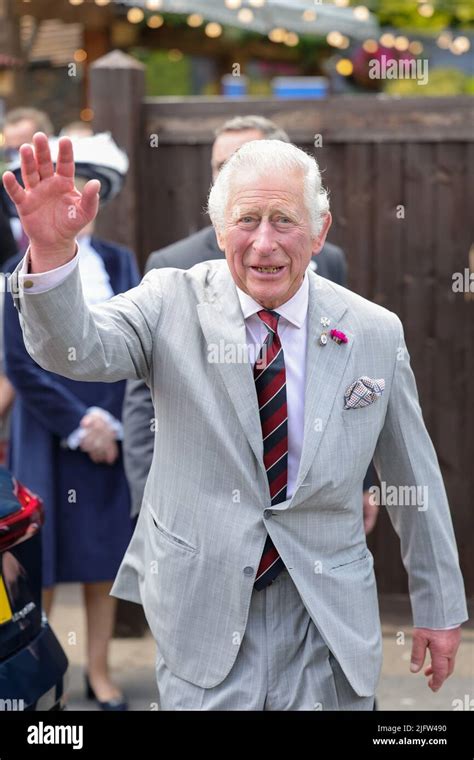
[(267, 270)]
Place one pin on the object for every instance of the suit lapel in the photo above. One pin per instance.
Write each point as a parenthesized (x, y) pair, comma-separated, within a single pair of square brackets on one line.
[(223, 325), (325, 365)]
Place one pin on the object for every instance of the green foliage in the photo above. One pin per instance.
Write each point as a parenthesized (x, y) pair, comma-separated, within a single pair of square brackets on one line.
[(441, 82), (404, 14), (165, 76)]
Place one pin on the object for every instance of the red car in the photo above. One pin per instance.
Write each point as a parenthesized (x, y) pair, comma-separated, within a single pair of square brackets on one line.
[(32, 661)]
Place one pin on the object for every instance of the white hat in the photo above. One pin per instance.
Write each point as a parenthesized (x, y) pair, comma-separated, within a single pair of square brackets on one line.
[(95, 157)]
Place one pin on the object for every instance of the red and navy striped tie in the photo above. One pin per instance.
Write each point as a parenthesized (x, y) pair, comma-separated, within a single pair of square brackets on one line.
[(270, 382)]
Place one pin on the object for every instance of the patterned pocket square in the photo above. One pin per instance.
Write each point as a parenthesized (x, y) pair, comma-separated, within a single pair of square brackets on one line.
[(363, 392)]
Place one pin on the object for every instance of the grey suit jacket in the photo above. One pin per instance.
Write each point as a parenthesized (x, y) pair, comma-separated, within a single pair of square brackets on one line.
[(200, 533), (138, 414)]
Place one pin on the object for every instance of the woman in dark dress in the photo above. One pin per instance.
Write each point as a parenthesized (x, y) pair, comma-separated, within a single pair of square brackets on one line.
[(65, 446)]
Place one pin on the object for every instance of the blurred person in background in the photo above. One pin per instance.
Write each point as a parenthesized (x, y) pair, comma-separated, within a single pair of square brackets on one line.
[(7, 251), (7, 241), (19, 126), (66, 440), (7, 393)]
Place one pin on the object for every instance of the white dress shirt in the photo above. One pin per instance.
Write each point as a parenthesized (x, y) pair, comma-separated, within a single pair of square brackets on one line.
[(95, 279)]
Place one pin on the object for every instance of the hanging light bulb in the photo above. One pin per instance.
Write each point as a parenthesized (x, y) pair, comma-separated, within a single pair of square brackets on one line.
[(334, 38), (361, 13), (213, 29), (155, 21), (245, 15), (277, 34), (444, 40), (135, 15), (426, 10), (195, 19), (387, 40), (370, 46), (291, 39), (344, 67), (401, 43)]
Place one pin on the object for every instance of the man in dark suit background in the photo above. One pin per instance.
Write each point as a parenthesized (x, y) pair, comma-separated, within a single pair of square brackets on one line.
[(138, 413)]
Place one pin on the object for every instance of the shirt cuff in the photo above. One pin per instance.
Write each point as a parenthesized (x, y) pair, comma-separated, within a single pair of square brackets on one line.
[(43, 281)]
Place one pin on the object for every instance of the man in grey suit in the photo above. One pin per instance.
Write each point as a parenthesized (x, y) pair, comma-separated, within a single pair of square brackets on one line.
[(274, 388), (138, 414)]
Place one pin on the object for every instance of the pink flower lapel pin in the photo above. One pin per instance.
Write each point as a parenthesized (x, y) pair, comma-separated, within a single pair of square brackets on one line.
[(338, 336)]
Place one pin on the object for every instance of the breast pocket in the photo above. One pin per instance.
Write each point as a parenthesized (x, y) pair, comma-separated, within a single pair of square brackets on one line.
[(370, 415)]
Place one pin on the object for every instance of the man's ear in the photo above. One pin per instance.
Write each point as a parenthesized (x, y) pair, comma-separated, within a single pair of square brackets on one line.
[(319, 240), (220, 239)]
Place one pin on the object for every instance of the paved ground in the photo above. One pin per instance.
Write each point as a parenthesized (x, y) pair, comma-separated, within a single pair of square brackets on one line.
[(133, 662)]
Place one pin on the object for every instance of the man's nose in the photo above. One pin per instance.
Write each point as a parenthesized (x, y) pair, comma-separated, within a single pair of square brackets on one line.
[(264, 242)]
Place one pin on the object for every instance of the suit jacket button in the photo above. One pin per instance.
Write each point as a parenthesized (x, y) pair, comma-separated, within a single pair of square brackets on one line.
[(249, 571), (28, 283), (267, 513)]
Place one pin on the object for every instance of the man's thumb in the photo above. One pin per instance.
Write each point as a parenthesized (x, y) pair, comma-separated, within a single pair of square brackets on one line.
[(418, 652)]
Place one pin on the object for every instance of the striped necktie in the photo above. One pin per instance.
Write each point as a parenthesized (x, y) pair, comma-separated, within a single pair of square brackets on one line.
[(270, 382)]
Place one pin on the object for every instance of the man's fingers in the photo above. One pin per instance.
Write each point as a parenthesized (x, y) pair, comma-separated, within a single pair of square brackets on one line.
[(29, 169), (418, 653), (13, 188), (65, 162), (451, 663), (43, 155), (439, 671), (90, 198)]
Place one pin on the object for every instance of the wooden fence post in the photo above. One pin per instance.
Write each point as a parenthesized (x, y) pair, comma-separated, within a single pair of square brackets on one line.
[(117, 90)]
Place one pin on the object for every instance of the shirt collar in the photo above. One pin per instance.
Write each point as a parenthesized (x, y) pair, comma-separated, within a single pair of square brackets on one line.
[(294, 310)]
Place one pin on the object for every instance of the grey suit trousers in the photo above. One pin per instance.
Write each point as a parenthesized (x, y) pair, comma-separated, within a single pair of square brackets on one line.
[(283, 664)]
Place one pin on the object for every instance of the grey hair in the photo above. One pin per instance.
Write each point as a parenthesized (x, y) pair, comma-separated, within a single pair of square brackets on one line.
[(270, 156), (269, 129)]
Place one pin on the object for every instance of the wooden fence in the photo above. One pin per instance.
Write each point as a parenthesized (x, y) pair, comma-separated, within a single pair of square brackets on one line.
[(400, 175)]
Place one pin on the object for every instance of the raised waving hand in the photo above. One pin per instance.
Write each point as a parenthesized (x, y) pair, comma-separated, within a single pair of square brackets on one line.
[(51, 210)]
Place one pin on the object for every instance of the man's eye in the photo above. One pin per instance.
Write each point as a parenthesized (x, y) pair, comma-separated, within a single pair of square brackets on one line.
[(283, 220), (247, 219)]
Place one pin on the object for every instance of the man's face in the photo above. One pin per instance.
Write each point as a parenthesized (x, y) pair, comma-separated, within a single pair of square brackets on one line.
[(17, 134), (227, 143), (267, 236)]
